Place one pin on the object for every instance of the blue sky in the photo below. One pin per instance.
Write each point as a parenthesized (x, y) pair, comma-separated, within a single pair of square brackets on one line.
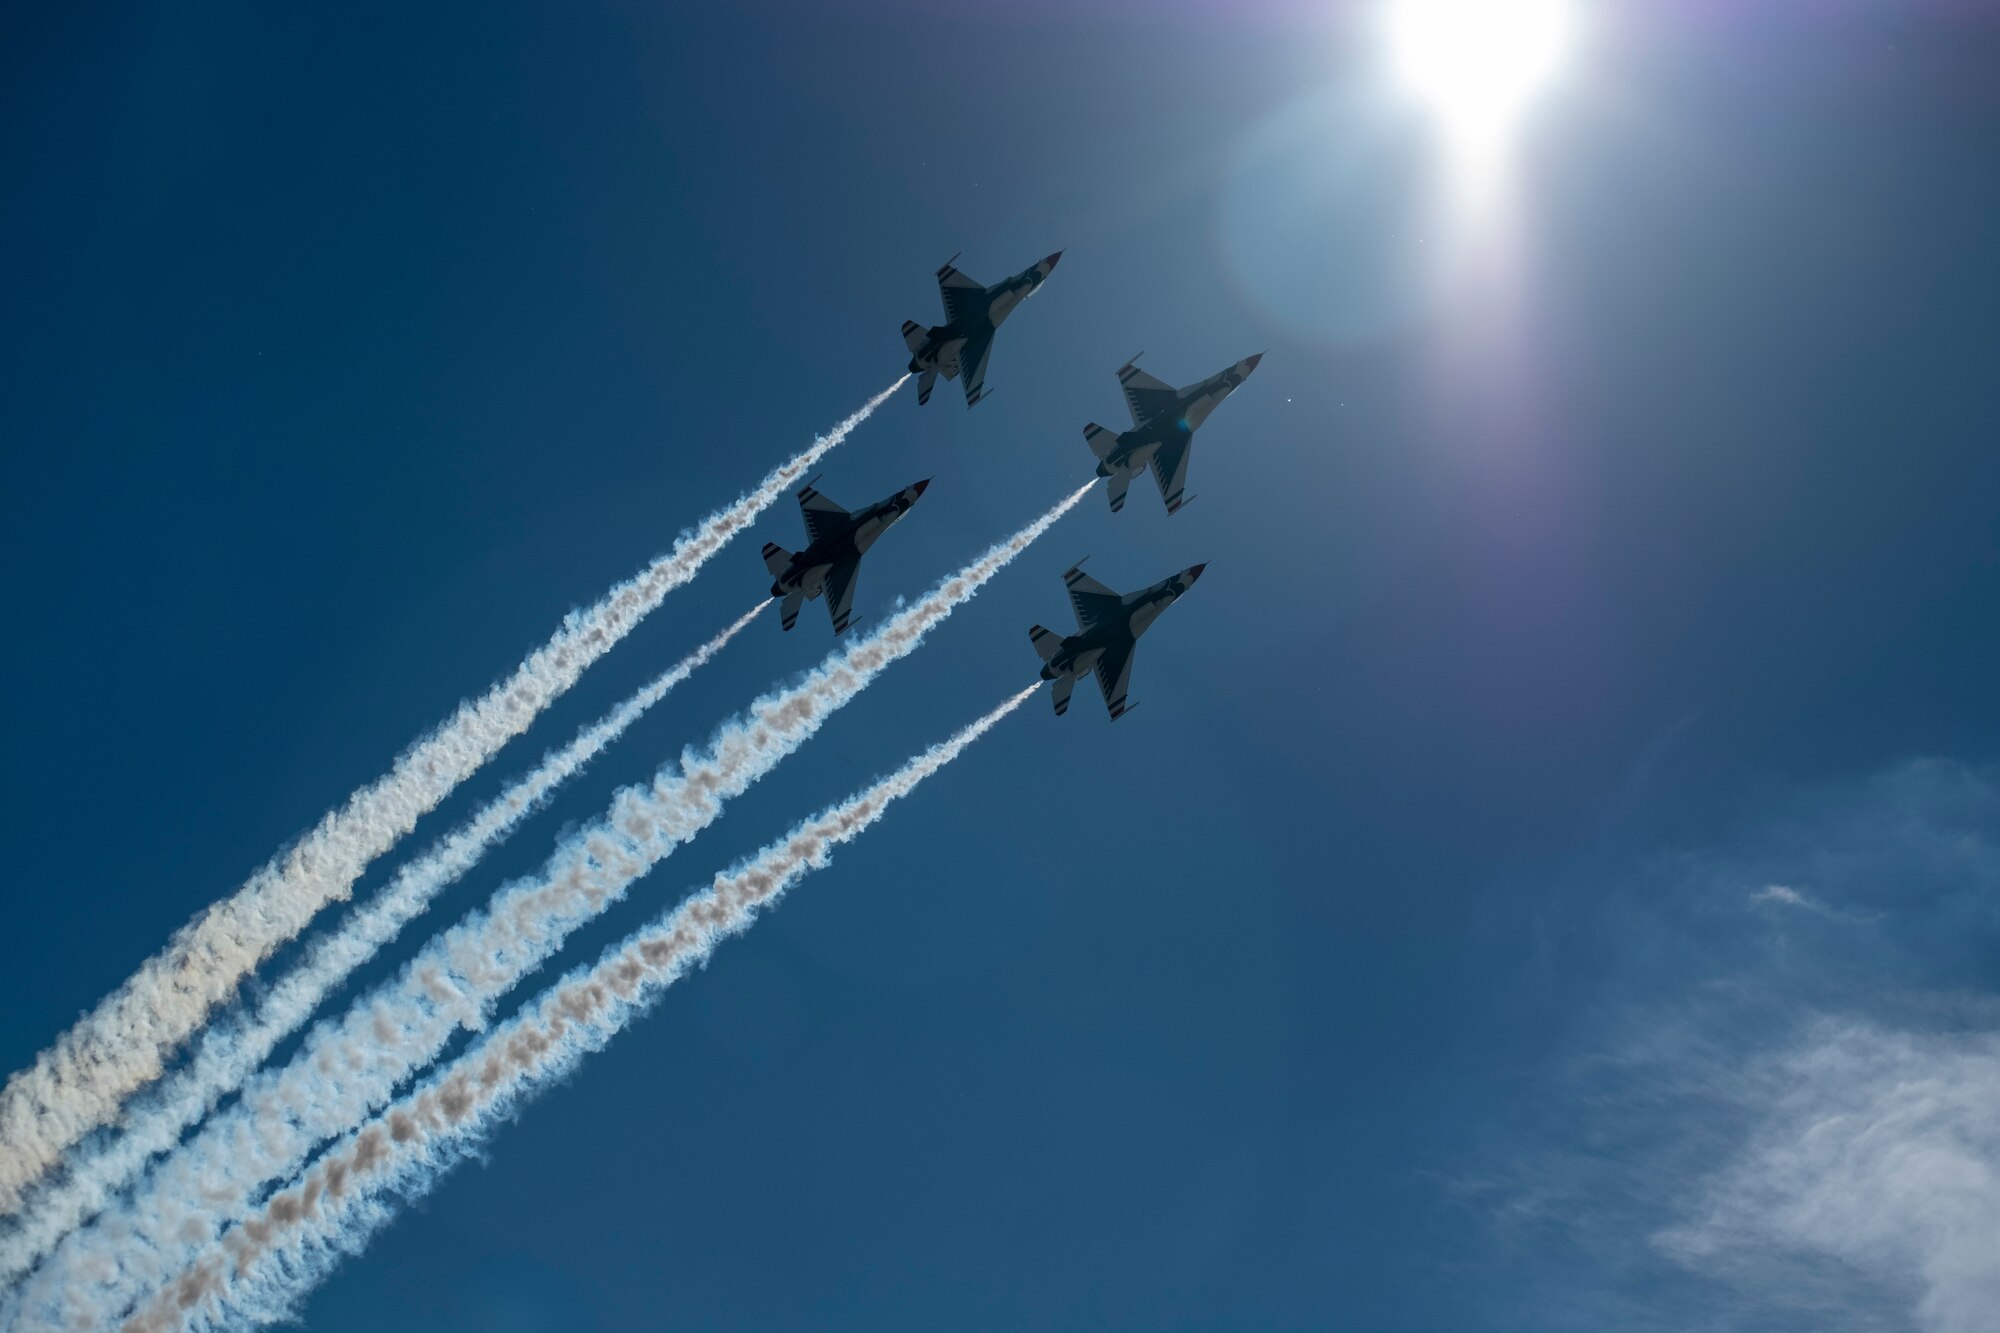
[(1411, 959)]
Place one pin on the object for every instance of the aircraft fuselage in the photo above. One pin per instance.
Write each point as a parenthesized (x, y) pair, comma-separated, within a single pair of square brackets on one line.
[(1001, 298), (1136, 447), (1080, 652), (807, 570)]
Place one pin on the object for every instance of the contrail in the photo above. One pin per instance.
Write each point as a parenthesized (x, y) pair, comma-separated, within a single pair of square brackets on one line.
[(349, 1069), (78, 1083), (230, 1051), (259, 1269)]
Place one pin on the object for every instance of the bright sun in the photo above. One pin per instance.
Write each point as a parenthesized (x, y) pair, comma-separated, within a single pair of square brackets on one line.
[(1479, 64)]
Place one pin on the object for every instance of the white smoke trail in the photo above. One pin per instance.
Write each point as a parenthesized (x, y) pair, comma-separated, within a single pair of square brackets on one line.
[(231, 1050), (262, 1267), (349, 1069), (122, 1044)]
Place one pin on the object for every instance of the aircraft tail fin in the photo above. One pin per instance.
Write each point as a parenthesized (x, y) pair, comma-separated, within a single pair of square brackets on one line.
[(1047, 642), (1101, 440), (776, 558)]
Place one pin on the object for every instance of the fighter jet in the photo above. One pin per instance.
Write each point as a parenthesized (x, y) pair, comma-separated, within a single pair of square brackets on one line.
[(836, 541), (1164, 420), (972, 312), (1108, 627)]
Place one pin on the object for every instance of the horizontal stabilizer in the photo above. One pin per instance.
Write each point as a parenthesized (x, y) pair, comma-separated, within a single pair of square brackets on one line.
[(1047, 642), (925, 383), (1102, 440), (1064, 684), (1120, 483), (915, 335), (788, 612), (776, 558)]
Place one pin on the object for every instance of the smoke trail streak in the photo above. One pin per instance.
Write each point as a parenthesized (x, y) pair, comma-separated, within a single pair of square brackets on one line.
[(79, 1082), (230, 1051), (349, 1069), (265, 1265)]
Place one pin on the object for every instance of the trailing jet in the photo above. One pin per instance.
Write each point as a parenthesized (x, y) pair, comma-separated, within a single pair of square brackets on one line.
[(1108, 627), (837, 539), (961, 344), (1164, 420)]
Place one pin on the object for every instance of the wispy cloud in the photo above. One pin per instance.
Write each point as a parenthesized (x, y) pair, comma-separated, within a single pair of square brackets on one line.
[(1876, 1148), (1785, 1125), (1785, 896)]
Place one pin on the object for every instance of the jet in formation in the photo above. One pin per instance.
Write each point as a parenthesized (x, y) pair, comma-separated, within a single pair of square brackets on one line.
[(1164, 420), (836, 540), (960, 346), (1108, 628)]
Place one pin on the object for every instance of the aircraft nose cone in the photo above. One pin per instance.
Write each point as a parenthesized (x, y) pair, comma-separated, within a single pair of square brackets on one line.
[(1250, 362), (1051, 261), (1194, 571), (922, 486)]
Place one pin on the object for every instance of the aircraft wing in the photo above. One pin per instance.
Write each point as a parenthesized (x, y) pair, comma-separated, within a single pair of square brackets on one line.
[(840, 592), (1114, 675), (1094, 602), (823, 517), (962, 295), (1146, 396), (1170, 462), (972, 362)]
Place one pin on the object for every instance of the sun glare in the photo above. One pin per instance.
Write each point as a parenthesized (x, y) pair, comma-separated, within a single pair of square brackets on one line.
[(1479, 64)]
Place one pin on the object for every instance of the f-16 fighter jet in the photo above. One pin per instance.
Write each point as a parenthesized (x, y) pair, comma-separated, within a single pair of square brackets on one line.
[(837, 539), (1108, 627), (1164, 420), (961, 344)]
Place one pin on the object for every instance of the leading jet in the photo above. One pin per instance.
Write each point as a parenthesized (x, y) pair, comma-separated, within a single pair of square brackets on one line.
[(836, 540), (1108, 627), (1164, 420), (972, 312)]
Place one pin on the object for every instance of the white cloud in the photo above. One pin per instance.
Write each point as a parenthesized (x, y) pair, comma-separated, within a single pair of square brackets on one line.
[(1873, 1148), (1783, 894), (1787, 1128), (1785, 898)]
